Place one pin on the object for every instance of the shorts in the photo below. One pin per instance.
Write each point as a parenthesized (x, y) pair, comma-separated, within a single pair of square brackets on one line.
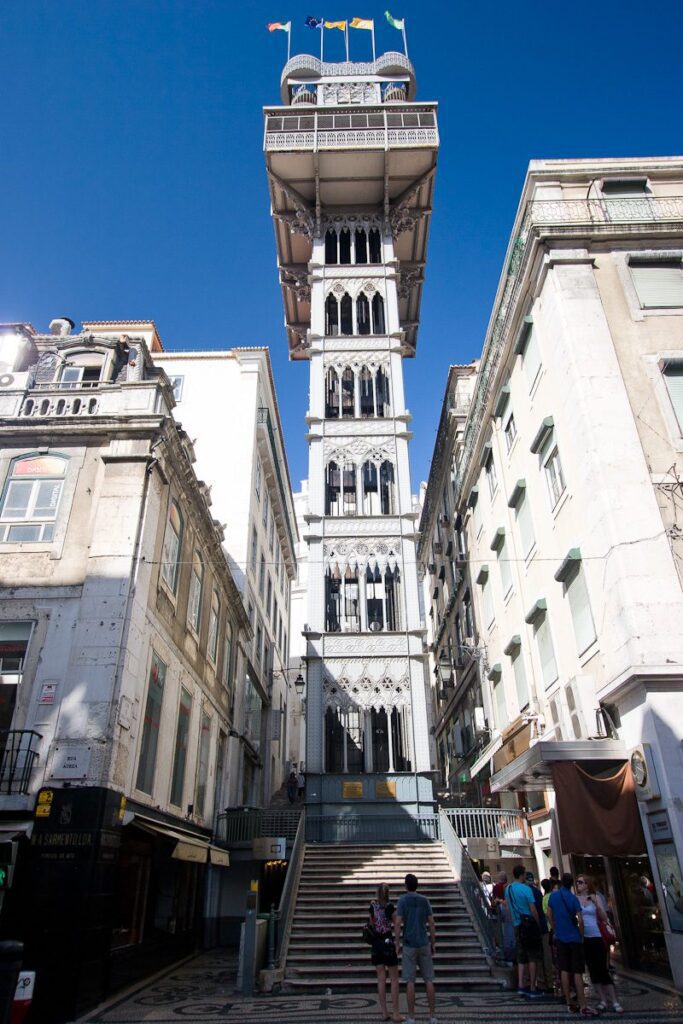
[(383, 952), (571, 957), (529, 952), (414, 955)]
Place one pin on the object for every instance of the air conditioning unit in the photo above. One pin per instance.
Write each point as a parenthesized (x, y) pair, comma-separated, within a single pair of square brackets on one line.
[(480, 724), (579, 704)]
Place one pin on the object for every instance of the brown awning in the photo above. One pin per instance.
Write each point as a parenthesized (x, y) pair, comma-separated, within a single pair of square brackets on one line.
[(597, 815)]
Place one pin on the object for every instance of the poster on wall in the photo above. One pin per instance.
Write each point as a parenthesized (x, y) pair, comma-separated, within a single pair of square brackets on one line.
[(672, 885)]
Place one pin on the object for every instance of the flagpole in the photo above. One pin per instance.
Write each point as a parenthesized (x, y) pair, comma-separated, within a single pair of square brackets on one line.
[(374, 58), (289, 42), (346, 39), (405, 44), (322, 33)]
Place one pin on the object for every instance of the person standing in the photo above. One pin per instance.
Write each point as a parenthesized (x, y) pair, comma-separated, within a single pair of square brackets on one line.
[(595, 949), (565, 917), (300, 785), (384, 953), (291, 787), (520, 900), (544, 971), (414, 913)]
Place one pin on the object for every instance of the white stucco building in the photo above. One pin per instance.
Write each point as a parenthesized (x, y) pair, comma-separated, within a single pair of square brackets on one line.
[(226, 401), (568, 489)]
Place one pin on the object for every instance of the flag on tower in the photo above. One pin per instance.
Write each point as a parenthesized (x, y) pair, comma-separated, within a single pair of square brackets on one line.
[(313, 22), (398, 23), (341, 25), (283, 26), (367, 23)]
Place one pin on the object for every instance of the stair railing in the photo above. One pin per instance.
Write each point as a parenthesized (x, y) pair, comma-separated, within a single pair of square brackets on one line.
[(289, 890), (470, 886)]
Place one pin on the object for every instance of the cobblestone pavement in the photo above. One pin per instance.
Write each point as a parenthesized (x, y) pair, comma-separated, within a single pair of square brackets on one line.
[(201, 991)]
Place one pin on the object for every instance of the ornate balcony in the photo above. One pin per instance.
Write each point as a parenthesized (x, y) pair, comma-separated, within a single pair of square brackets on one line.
[(304, 66), (604, 210), (373, 128)]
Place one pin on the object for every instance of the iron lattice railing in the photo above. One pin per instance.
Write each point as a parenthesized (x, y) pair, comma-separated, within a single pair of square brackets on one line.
[(19, 754), (470, 886), (385, 828), (488, 823), (245, 824)]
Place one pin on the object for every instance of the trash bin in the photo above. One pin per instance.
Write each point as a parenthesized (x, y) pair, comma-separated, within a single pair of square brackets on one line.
[(11, 954)]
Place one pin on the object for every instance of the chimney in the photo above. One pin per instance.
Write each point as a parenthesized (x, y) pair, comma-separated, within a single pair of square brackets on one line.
[(62, 326)]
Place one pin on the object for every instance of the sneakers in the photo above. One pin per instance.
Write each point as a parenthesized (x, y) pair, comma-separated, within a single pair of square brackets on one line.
[(588, 1011), (601, 1006), (524, 991), (617, 1008)]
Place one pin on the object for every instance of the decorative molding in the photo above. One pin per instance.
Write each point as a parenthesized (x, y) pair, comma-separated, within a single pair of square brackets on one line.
[(367, 684), (371, 428), (357, 527), (349, 645), (333, 94), (364, 357), (345, 343), (377, 553), (354, 286), (374, 448), (297, 282)]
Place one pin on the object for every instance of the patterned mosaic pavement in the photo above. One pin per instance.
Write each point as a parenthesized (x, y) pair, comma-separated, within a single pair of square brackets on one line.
[(202, 990)]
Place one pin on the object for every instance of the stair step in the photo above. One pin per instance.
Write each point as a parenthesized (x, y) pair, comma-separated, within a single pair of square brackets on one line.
[(296, 956)]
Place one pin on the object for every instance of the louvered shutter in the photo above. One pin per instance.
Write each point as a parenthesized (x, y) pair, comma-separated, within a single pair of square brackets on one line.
[(546, 652), (673, 376), (658, 285), (582, 617)]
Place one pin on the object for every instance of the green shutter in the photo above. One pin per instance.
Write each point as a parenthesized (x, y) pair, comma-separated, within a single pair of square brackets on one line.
[(673, 376), (582, 616), (659, 285)]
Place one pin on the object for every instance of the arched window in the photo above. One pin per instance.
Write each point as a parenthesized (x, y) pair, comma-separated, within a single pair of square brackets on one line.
[(346, 314), (331, 316), (333, 490), (30, 501), (382, 391), (374, 597), (361, 246), (351, 606), (367, 404), (371, 505), (386, 489), (392, 580), (378, 325), (330, 246), (333, 591), (194, 604), (349, 489), (375, 245), (344, 246), (347, 393), (363, 314), (82, 370), (332, 393), (173, 543)]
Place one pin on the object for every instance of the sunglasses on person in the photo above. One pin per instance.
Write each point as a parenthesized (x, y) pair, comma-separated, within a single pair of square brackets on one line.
[(581, 881)]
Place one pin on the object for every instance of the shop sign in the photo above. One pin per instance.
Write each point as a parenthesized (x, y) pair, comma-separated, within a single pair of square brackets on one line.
[(48, 693), (513, 747), (660, 827), (269, 848)]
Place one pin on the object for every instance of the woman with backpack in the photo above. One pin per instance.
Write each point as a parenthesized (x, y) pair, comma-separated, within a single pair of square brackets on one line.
[(383, 951)]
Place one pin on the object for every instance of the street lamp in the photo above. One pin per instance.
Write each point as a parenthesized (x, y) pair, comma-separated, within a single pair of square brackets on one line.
[(445, 668), (300, 684)]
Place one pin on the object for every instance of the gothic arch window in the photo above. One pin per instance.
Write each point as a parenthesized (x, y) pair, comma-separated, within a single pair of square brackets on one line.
[(363, 314), (333, 490), (371, 506), (382, 391), (342, 600), (375, 246), (347, 393), (331, 243), (344, 246), (386, 489), (331, 316), (349, 489), (351, 606), (392, 586), (333, 592), (366, 388), (332, 394), (374, 598), (361, 241), (378, 323), (346, 314)]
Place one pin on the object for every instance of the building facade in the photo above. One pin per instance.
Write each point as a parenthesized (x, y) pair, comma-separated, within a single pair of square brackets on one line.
[(124, 638), (351, 159), (568, 488), (223, 398)]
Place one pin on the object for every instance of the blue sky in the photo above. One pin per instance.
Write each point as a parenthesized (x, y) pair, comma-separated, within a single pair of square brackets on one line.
[(133, 181)]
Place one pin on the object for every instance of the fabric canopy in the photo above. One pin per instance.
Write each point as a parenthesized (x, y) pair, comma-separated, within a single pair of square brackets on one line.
[(597, 815)]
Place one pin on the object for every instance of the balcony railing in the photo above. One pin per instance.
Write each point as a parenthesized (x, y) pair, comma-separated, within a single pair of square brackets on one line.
[(376, 828), (374, 128), (488, 823), (19, 754), (605, 210), (245, 824), (306, 65)]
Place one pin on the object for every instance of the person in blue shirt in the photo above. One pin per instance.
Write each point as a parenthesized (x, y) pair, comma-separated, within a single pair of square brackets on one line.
[(566, 919), (414, 914), (522, 906)]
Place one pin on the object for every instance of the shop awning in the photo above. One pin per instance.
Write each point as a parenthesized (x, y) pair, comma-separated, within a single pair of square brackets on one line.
[(533, 769), (487, 753), (189, 846), (597, 814)]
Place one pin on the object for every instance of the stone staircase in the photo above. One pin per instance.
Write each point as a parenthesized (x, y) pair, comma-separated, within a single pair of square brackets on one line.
[(336, 886)]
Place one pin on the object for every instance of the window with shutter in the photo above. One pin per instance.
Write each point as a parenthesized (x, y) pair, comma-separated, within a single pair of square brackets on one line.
[(499, 700), (521, 685), (658, 283), (582, 616), (505, 569), (526, 525), (673, 378), (546, 651), (531, 358)]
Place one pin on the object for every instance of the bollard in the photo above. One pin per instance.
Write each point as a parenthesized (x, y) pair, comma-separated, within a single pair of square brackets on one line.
[(249, 961), (10, 965)]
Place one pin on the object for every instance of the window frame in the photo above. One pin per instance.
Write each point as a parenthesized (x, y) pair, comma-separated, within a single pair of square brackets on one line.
[(44, 524), (194, 599), (214, 627), (173, 583), (551, 458)]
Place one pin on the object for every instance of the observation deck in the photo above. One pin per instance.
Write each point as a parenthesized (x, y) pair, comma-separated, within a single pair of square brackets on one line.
[(350, 140)]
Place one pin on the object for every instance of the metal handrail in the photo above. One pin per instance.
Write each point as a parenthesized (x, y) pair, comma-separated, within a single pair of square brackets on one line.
[(487, 823), (244, 824), (470, 886), (376, 828), (285, 912), (18, 759)]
